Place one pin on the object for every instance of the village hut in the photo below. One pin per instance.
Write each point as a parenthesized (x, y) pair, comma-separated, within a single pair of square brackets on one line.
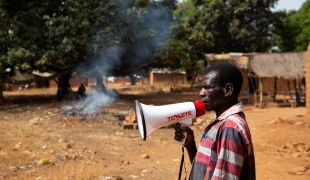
[(265, 75), (279, 68), (18, 76)]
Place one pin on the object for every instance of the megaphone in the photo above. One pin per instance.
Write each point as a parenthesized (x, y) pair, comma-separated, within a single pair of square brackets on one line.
[(149, 118)]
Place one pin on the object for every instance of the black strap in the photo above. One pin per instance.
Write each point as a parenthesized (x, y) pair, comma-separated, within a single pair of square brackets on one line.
[(181, 164)]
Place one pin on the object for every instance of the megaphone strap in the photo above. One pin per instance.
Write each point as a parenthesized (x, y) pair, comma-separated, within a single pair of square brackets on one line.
[(181, 165)]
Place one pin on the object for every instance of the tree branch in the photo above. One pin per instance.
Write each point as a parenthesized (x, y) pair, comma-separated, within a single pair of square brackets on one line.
[(135, 68)]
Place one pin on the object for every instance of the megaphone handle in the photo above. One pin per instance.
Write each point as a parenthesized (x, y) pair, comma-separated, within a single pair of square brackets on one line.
[(185, 135)]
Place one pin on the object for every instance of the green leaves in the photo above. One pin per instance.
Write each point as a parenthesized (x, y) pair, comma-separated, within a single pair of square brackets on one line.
[(218, 26), (291, 30), (99, 35)]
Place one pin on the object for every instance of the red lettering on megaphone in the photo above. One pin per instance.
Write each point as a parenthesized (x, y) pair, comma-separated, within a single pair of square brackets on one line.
[(179, 116)]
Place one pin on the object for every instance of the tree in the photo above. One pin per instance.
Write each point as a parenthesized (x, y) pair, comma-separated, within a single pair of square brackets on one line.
[(218, 26), (301, 21), (189, 41), (284, 31), (94, 37), (291, 29), (238, 26), (6, 39), (140, 30)]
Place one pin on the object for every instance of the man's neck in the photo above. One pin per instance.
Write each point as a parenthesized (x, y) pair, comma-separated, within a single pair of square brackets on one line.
[(225, 107)]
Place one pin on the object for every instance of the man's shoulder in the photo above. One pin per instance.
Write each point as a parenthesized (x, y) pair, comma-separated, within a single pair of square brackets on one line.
[(239, 124), (236, 121)]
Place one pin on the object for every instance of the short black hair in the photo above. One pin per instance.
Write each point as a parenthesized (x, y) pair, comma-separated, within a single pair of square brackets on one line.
[(227, 73)]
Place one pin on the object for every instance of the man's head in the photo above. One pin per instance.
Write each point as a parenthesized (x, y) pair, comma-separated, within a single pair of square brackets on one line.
[(221, 86)]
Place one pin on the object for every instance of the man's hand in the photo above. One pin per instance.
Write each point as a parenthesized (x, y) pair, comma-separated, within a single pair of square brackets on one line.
[(179, 136), (189, 143)]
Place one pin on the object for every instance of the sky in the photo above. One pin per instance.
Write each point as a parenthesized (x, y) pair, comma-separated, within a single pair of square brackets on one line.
[(289, 4)]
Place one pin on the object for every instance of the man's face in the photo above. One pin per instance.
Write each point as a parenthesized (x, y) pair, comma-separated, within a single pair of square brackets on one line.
[(211, 93)]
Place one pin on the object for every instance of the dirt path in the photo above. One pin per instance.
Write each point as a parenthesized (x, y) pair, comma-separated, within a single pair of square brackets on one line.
[(97, 146)]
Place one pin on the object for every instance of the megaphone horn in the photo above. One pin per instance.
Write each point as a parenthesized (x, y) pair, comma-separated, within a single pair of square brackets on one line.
[(150, 118)]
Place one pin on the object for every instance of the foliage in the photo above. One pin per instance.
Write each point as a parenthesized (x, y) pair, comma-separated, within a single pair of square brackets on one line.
[(143, 29), (284, 31), (238, 26), (291, 29), (218, 26), (301, 21), (188, 43), (98, 36)]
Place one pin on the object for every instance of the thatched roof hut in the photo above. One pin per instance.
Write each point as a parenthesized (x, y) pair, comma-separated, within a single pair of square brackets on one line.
[(280, 65), (240, 60), (285, 66)]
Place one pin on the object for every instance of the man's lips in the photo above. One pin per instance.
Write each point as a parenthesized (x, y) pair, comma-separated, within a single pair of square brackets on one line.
[(205, 100)]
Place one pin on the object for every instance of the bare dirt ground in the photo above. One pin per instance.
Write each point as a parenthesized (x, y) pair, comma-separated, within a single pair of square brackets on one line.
[(37, 141)]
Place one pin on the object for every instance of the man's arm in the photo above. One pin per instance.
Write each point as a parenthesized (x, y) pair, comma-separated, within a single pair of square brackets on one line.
[(191, 151), (231, 154)]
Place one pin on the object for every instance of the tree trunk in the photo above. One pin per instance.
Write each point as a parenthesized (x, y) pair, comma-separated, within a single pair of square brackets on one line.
[(132, 79), (99, 81), (193, 80), (86, 82), (1, 91), (65, 80), (1, 83)]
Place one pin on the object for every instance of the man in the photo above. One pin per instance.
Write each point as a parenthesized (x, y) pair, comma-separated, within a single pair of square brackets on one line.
[(225, 150), (81, 91)]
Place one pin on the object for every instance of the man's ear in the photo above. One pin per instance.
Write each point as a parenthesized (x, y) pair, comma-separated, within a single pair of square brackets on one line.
[(228, 89)]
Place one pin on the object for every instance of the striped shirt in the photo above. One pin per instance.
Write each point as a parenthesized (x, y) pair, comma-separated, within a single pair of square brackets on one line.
[(225, 150)]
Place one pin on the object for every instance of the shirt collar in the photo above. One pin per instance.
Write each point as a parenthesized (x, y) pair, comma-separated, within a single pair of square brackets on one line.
[(232, 110)]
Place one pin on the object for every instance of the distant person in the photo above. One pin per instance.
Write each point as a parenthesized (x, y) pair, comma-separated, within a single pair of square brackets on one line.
[(59, 88), (81, 91), (225, 149)]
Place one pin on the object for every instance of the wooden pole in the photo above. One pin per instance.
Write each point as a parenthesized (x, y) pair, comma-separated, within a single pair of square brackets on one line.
[(260, 93), (297, 92), (275, 89), (289, 89), (307, 84)]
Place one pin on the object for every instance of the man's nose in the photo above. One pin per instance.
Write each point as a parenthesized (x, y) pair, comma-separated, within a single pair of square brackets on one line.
[(202, 92)]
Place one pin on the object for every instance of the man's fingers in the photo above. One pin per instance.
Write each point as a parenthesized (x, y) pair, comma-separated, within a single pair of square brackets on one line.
[(179, 137), (177, 126), (178, 134), (186, 129)]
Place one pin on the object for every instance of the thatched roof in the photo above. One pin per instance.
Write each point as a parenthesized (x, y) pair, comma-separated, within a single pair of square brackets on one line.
[(239, 60), (280, 65)]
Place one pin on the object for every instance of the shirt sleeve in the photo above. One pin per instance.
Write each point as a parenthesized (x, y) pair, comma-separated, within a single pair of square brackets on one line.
[(231, 154)]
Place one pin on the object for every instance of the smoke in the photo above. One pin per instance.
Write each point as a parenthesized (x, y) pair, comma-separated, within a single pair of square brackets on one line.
[(94, 101), (133, 43)]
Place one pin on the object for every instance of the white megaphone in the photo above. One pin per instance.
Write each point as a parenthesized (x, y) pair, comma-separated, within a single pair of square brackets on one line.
[(150, 118)]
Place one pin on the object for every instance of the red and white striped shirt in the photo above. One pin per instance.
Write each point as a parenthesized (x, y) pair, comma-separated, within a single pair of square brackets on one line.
[(225, 150)]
